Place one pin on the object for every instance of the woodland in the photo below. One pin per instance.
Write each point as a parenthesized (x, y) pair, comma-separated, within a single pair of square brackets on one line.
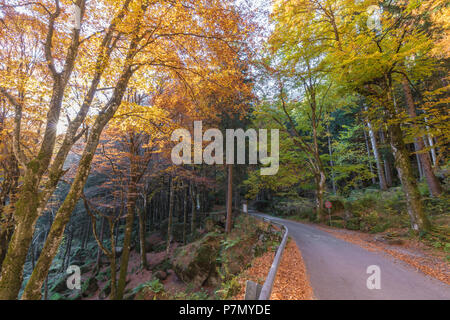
[(91, 92)]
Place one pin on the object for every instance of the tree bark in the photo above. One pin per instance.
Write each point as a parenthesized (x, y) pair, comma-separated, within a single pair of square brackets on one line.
[(185, 214), (387, 162), (379, 162), (374, 180), (423, 156), (131, 207), (418, 217), (229, 199), (144, 264), (33, 288), (194, 209), (330, 150), (170, 222)]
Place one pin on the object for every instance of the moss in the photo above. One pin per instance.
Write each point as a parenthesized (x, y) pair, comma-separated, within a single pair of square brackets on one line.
[(57, 296)]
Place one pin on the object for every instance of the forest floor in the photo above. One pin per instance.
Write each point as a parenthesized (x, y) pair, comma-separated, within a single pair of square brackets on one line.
[(423, 258), (168, 285), (291, 282), (137, 276)]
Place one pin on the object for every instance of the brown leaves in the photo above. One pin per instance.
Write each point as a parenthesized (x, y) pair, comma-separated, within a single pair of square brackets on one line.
[(291, 282)]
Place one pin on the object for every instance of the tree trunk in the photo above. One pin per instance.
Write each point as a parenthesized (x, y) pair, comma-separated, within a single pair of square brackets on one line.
[(424, 157), (194, 209), (66, 252), (379, 162), (131, 206), (419, 219), (99, 250), (387, 162), (113, 261), (229, 199), (185, 214), (330, 150), (25, 216), (144, 264), (320, 193), (374, 181), (169, 224)]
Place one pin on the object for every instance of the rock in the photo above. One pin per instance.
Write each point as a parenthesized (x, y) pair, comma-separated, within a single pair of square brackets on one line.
[(196, 262), (161, 275)]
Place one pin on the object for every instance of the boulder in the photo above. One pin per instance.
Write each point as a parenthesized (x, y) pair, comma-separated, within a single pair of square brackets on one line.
[(197, 261)]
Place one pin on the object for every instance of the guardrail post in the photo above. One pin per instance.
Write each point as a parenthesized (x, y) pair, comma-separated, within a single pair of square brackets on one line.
[(252, 290)]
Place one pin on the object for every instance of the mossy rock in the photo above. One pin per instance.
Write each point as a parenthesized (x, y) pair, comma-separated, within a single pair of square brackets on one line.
[(196, 262)]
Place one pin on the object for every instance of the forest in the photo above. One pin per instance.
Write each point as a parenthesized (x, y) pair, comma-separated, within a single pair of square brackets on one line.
[(93, 91)]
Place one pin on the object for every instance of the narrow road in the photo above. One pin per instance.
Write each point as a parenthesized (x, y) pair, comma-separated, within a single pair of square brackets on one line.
[(338, 269)]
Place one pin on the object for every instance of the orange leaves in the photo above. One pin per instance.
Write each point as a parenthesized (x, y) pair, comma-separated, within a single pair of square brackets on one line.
[(291, 282)]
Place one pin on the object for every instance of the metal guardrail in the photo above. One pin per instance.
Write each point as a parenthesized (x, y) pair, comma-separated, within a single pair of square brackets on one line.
[(254, 291)]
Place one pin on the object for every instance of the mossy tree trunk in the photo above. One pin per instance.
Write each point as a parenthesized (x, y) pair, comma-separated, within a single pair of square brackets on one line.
[(34, 285), (418, 217), (424, 157)]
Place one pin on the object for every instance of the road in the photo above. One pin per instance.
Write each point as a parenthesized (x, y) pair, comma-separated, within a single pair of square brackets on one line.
[(338, 269)]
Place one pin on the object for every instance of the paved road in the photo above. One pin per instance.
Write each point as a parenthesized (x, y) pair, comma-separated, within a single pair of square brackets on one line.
[(338, 269)]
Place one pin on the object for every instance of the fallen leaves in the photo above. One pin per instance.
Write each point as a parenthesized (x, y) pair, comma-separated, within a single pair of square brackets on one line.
[(291, 282)]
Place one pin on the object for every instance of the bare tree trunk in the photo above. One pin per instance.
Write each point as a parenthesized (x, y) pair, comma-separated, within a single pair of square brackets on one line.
[(185, 215), (144, 264), (194, 209), (374, 181), (113, 260), (387, 162), (379, 162), (169, 226), (99, 250)]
